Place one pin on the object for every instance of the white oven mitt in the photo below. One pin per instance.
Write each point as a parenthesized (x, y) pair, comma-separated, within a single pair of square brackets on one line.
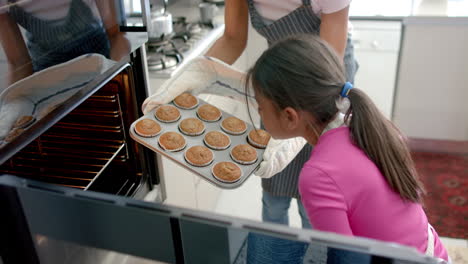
[(279, 153), (201, 75)]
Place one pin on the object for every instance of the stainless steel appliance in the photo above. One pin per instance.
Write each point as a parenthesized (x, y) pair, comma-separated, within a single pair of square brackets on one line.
[(161, 21), (51, 224), (84, 143), (89, 147), (166, 55)]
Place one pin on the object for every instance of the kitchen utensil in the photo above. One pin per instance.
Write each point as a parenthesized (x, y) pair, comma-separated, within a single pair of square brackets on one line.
[(219, 155), (207, 12), (161, 22)]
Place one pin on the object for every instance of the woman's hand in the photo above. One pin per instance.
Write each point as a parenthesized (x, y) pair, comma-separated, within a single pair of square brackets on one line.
[(278, 154), (14, 47), (119, 46), (202, 74)]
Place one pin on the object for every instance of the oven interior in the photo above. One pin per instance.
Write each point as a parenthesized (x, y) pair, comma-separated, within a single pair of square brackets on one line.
[(89, 148)]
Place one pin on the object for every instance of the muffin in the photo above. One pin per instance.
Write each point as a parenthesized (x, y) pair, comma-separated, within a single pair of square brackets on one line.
[(147, 128), (167, 113), (172, 141), (199, 156), (13, 134), (234, 125), (209, 113), (258, 138), (226, 171), (24, 121), (217, 140), (192, 127), (244, 154), (186, 101)]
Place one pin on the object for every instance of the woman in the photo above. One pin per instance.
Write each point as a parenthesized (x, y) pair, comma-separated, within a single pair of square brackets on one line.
[(360, 179), (57, 31), (274, 20)]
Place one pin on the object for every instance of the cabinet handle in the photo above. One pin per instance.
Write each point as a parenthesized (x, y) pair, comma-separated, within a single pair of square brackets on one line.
[(375, 44)]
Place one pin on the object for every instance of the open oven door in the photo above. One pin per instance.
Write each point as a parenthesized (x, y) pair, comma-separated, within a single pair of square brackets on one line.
[(43, 223)]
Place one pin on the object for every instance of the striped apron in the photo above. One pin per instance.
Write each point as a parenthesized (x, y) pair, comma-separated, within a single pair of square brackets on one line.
[(301, 20), (52, 42)]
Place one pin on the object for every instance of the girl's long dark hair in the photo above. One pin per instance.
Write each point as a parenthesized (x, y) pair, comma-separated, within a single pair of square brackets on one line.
[(304, 73)]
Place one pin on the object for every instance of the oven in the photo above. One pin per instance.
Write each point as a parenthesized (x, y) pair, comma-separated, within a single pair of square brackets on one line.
[(83, 143), (89, 148)]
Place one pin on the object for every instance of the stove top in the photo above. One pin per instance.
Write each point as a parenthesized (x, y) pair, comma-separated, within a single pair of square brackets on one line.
[(166, 53)]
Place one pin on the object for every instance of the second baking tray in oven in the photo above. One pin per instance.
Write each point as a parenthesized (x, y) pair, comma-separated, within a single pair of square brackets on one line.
[(219, 155)]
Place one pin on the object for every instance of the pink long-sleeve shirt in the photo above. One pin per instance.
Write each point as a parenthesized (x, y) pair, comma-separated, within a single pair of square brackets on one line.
[(344, 192)]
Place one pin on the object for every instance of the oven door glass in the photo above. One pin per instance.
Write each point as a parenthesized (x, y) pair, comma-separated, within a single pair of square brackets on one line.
[(63, 222)]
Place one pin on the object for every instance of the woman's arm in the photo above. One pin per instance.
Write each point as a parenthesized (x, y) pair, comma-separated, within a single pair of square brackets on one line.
[(119, 44), (334, 29), (230, 46), (19, 61)]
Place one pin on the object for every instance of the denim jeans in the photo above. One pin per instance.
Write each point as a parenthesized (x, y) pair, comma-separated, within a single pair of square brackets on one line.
[(267, 249), (275, 210)]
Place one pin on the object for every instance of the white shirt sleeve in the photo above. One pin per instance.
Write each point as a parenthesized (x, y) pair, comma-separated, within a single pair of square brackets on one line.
[(331, 6)]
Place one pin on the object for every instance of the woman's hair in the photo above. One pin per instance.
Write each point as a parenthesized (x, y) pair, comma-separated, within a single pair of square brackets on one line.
[(304, 73)]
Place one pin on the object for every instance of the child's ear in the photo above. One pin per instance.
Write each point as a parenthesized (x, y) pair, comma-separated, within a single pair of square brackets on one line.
[(292, 118)]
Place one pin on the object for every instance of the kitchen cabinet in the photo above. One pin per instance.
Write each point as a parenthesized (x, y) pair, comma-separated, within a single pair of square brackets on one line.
[(376, 44), (179, 184), (431, 92), (376, 48)]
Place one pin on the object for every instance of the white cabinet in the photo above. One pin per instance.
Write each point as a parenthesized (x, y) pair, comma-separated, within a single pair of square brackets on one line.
[(377, 45), (432, 89), (178, 184)]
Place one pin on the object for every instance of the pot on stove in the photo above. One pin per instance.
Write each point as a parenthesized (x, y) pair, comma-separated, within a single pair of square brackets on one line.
[(161, 22)]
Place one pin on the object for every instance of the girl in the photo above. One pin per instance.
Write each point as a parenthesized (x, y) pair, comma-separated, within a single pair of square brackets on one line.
[(360, 179)]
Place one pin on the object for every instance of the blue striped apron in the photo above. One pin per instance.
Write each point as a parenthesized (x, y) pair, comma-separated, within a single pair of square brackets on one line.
[(301, 20), (51, 42)]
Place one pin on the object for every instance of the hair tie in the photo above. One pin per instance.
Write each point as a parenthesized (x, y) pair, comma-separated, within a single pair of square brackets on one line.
[(346, 88)]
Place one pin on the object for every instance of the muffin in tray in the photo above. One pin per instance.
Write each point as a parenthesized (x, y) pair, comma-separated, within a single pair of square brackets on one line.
[(258, 138), (199, 156), (234, 125), (167, 113), (217, 140), (147, 128), (24, 121), (209, 113), (244, 154), (186, 101), (226, 171), (192, 126), (172, 141)]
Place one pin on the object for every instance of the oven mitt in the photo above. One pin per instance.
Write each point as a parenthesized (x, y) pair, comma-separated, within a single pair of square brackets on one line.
[(279, 153), (201, 75), (40, 93)]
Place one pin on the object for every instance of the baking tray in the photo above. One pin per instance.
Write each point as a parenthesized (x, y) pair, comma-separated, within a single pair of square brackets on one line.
[(219, 155)]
